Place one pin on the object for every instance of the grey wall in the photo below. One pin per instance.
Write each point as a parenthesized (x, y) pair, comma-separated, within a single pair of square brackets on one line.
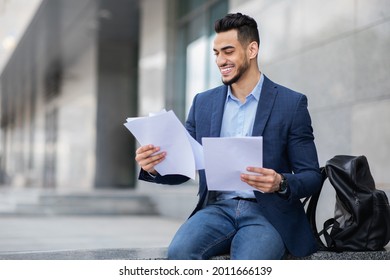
[(117, 76), (65, 94)]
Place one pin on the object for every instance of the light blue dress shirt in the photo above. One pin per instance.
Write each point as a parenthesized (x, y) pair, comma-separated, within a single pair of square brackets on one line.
[(238, 120)]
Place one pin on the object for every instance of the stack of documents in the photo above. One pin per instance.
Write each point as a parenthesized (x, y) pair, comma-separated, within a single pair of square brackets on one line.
[(164, 130), (223, 159)]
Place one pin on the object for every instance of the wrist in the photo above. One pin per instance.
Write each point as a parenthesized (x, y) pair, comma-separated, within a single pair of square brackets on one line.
[(283, 185)]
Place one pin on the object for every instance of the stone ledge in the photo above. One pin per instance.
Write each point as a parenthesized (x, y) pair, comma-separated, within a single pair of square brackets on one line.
[(366, 255), (95, 254), (160, 254)]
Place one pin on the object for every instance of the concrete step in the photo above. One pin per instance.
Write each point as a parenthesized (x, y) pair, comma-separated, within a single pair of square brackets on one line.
[(161, 254), (98, 254), (114, 202)]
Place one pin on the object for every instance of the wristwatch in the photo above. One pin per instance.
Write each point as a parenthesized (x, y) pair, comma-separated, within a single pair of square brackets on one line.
[(283, 185)]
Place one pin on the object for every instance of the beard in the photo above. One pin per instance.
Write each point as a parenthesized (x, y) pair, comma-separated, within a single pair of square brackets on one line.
[(241, 70)]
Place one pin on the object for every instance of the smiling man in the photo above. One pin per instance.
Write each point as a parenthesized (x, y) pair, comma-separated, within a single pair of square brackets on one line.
[(269, 221)]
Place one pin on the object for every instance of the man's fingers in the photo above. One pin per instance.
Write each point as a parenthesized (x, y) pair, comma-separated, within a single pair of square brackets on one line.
[(147, 148), (148, 157), (152, 162), (265, 180)]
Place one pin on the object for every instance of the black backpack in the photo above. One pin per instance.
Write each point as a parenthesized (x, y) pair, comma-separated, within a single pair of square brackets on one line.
[(361, 219)]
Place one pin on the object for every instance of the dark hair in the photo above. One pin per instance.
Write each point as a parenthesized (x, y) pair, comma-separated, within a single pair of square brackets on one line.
[(246, 27)]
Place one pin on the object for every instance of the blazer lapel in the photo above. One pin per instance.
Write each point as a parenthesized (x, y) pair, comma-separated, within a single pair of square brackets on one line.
[(218, 105), (267, 99)]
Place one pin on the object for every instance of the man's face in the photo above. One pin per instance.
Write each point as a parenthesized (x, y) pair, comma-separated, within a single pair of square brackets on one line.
[(230, 57)]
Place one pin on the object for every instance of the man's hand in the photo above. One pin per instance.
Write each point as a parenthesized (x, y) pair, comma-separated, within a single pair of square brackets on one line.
[(148, 157), (266, 180)]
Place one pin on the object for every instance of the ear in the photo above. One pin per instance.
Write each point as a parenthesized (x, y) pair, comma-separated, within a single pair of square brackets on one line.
[(253, 50)]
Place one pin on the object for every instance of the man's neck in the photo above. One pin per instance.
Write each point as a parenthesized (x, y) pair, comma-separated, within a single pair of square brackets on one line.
[(246, 84)]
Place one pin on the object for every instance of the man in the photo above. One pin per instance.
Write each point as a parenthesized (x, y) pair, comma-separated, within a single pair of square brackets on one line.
[(269, 221)]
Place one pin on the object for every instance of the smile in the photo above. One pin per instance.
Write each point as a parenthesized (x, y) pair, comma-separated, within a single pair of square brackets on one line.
[(226, 70)]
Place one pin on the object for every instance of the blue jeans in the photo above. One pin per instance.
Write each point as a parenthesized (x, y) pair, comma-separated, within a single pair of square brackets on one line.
[(230, 226)]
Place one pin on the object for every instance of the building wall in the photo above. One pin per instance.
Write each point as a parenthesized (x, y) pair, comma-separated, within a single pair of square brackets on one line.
[(66, 92), (153, 56), (117, 86), (76, 124)]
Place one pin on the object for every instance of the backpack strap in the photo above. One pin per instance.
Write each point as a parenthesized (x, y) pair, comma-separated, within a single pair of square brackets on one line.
[(311, 211), (330, 242)]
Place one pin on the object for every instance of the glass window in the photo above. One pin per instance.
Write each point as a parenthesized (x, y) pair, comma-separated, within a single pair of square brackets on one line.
[(195, 42)]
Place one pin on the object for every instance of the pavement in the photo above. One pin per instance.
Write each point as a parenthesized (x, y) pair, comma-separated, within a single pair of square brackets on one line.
[(55, 233), (41, 221)]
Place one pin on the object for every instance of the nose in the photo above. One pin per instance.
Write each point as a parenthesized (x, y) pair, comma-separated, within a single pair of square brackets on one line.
[(220, 59)]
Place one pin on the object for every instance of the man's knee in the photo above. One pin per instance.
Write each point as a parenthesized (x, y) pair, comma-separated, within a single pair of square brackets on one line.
[(178, 251)]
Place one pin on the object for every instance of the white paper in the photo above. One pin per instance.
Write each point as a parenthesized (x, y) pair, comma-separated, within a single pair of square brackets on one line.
[(197, 150), (163, 129), (227, 157)]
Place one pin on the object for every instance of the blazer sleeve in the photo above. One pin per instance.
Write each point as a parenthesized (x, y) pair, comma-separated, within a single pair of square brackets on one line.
[(173, 179), (306, 177)]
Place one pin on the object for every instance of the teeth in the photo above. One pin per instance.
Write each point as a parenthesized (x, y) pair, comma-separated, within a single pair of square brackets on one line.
[(225, 70)]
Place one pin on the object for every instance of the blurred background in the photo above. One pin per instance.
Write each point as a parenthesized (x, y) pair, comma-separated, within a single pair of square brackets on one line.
[(72, 71)]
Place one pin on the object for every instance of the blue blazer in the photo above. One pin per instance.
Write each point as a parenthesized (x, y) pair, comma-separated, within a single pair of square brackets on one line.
[(282, 118)]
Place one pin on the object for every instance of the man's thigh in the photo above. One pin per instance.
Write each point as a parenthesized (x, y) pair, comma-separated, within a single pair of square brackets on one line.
[(256, 237), (257, 242)]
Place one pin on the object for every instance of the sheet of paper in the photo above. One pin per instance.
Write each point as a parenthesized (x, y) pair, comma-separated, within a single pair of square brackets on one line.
[(226, 158), (163, 129), (197, 150)]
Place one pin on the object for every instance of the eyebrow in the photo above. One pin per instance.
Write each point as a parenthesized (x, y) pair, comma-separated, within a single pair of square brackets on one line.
[(224, 48)]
